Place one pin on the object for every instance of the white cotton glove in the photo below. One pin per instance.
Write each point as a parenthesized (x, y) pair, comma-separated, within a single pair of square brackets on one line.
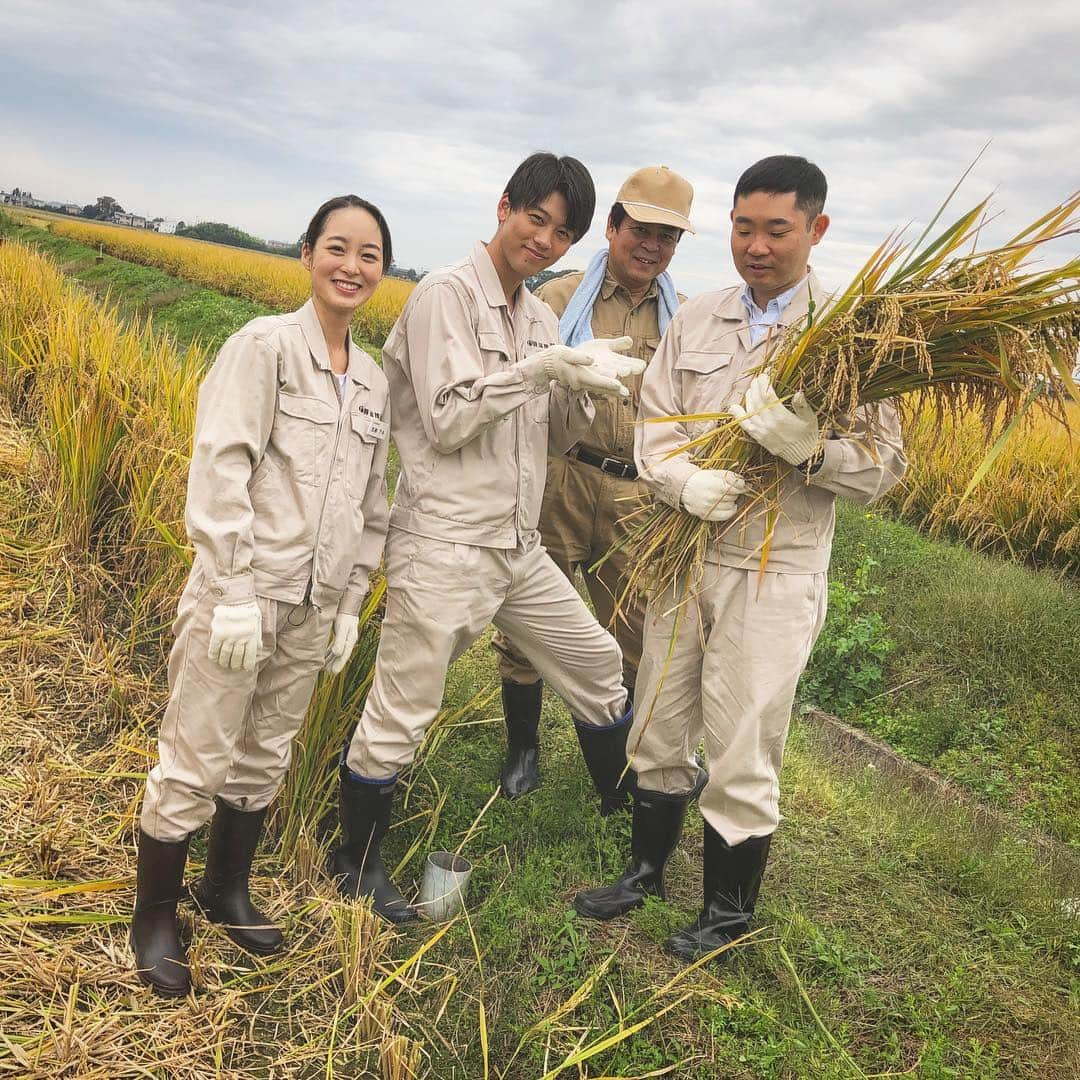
[(235, 633), (607, 358), (793, 436), (570, 368), (710, 494), (346, 631)]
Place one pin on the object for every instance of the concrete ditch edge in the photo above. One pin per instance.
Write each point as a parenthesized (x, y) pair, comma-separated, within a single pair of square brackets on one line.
[(850, 745)]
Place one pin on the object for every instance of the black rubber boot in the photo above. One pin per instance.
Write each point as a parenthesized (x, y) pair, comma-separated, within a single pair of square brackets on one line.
[(223, 891), (701, 781), (732, 878), (521, 709), (357, 864), (658, 822), (604, 751), (160, 956)]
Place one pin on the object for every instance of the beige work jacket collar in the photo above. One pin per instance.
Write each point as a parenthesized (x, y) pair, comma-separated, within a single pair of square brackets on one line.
[(489, 280), (732, 310), (316, 342), (607, 289)]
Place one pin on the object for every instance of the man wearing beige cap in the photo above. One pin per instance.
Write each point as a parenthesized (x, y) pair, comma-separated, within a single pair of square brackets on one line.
[(625, 291)]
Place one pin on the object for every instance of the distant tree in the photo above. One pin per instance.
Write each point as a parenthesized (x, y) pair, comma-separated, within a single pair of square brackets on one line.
[(537, 280), (103, 209), (180, 225), (219, 233), (107, 206)]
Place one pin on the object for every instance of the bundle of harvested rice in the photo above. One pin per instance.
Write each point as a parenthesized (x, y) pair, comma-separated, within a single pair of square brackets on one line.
[(959, 329)]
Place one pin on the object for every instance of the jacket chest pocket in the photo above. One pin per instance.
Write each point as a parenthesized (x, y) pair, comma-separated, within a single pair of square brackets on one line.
[(364, 436), (493, 349), (303, 434), (706, 379)]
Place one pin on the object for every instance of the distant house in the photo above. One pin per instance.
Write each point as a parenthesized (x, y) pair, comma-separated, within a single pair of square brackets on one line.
[(71, 208), (132, 220), (24, 198)]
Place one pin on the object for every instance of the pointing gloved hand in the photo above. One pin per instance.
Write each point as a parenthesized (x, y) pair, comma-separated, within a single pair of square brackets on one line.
[(235, 632), (710, 494), (346, 631), (791, 435), (570, 368)]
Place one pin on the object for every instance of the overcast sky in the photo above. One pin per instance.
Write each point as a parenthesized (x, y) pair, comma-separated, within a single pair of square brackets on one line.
[(254, 113)]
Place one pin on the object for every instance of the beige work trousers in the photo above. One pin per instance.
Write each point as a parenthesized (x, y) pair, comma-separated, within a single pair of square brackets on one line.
[(579, 523), (440, 597), (227, 732), (741, 644)]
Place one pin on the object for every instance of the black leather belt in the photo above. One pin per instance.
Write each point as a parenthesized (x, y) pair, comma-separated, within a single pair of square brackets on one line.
[(613, 466)]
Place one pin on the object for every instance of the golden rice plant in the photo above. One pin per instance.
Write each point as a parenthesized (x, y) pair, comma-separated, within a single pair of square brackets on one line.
[(1027, 508), (31, 292), (114, 405), (958, 329), (275, 280), (311, 782)]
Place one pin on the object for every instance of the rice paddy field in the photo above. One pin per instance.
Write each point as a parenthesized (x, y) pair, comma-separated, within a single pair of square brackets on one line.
[(278, 282), (898, 934), (1027, 507)]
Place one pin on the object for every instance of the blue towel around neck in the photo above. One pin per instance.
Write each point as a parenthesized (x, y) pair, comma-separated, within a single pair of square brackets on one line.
[(575, 326)]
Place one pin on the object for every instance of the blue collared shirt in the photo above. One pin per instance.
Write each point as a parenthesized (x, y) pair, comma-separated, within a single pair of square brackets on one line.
[(760, 321)]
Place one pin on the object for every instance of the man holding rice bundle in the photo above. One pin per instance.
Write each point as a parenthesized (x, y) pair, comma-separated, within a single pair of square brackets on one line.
[(724, 664), (626, 292)]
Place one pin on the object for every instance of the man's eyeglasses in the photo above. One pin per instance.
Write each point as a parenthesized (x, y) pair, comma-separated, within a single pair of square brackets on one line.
[(666, 238)]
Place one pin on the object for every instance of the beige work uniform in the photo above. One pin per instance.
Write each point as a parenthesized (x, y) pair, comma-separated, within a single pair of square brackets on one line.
[(742, 642), (582, 508), (463, 548), (286, 507)]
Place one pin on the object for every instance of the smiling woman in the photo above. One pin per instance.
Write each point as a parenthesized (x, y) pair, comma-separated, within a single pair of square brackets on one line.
[(286, 509)]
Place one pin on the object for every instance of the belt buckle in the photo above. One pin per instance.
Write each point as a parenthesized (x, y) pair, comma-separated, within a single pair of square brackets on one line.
[(614, 466)]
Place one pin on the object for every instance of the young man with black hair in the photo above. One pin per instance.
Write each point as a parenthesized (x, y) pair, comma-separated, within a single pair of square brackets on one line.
[(481, 390), (625, 291), (725, 665)]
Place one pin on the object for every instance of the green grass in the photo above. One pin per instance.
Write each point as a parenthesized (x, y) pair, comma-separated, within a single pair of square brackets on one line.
[(916, 936), (983, 682)]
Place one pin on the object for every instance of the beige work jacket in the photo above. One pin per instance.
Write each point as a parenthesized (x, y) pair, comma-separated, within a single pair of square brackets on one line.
[(614, 314), (472, 435), (286, 489), (705, 362)]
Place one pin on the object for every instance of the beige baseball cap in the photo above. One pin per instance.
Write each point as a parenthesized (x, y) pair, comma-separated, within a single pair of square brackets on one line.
[(658, 196)]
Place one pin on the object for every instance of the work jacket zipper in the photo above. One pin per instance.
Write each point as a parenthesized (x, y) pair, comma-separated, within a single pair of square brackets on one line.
[(343, 413)]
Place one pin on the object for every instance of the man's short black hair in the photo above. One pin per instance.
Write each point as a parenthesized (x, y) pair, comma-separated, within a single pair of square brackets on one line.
[(541, 174), (782, 173)]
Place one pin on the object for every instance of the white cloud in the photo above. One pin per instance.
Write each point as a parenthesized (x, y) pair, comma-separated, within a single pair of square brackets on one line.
[(255, 114)]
